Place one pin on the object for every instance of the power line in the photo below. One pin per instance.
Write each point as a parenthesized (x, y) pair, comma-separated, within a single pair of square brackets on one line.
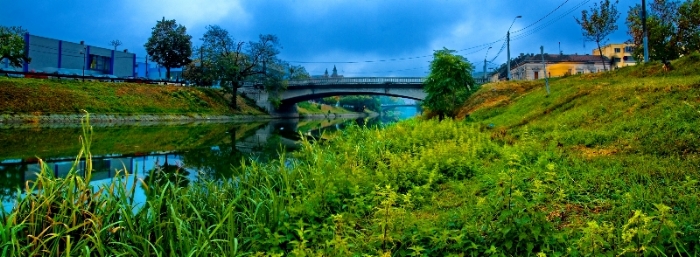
[(542, 26), (543, 17)]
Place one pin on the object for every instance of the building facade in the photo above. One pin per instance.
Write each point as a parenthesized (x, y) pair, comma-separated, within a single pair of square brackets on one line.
[(620, 55), (530, 67), (57, 56)]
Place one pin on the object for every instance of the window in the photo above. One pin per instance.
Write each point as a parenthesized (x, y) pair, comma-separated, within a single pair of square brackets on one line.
[(100, 63), (617, 50), (629, 49)]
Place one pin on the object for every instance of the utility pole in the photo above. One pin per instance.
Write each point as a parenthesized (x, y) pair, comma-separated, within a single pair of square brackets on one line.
[(544, 64), (147, 67), (644, 31), (508, 42), (508, 61), (487, 53)]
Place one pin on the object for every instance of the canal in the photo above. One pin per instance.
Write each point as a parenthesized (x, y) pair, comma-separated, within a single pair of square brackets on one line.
[(176, 152)]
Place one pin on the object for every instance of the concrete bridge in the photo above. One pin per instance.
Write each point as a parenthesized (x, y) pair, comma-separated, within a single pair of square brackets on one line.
[(303, 90)]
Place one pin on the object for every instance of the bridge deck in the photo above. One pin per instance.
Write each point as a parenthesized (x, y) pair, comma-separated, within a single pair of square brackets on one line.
[(359, 81)]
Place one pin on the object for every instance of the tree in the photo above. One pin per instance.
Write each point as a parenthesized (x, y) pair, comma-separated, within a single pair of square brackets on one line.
[(599, 23), (448, 84), (278, 76), (195, 72), (12, 45), (169, 45), (115, 43), (673, 29), (689, 26), (234, 62)]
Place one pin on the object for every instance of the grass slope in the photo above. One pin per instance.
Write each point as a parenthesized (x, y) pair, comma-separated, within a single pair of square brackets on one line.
[(64, 97), (313, 108), (634, 110), (607, 165)]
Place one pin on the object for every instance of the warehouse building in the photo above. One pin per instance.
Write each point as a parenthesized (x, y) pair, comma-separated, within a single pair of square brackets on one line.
[(50, 55)]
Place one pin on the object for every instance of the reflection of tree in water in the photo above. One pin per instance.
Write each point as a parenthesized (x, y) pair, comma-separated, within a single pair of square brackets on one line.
[(162, 174), (215, 162), (220, 161), (11, 178)]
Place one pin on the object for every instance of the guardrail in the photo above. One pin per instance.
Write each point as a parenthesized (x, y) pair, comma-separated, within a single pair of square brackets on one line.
[(359, 80), (41, 75)]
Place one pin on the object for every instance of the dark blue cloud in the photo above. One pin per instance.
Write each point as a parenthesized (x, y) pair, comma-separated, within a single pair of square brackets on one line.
[(326, 31)]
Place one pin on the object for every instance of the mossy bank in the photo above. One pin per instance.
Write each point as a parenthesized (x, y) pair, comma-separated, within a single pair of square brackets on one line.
[(61, 100)]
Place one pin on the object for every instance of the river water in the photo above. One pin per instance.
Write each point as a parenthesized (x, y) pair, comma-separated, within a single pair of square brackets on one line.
[(193, 150)]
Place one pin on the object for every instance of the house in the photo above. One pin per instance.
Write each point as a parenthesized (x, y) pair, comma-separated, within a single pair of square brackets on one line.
[(620, 55), (530, 67), (50, 55)]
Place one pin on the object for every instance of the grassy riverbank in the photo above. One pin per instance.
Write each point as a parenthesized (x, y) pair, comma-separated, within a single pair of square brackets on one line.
[(43, 96), (607, 165), (306, 108)]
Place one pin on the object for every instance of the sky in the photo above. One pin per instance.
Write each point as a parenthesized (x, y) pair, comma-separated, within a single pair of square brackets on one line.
[(362, 38)]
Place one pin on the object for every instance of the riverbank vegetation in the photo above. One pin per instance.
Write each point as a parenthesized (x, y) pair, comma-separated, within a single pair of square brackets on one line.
[(306, 107), (34, 96), (607, 165)]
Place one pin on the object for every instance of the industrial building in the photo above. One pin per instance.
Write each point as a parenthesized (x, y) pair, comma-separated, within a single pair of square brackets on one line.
[(55, 56)]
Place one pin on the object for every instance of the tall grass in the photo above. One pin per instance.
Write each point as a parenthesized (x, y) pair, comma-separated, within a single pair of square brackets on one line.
[(415, 188)]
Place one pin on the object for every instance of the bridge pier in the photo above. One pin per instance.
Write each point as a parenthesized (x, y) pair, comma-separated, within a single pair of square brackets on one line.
[(261, 98)]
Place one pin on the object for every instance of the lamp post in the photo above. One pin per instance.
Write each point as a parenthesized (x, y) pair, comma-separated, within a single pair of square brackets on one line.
[(83, 53), (508, 42), (487, 53), (645, 39)]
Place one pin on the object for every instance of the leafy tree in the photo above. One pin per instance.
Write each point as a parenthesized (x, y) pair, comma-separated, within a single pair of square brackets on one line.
[(195, 72), (599, 23), (361, 102), (673, 29), (689, 26), (234, 62), (12, 45), (169, 45), (276, 79), (448, 84)]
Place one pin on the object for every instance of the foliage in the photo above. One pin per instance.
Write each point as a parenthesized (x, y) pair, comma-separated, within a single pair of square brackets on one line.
[(277, 78), (449, 83), (233, 62), (169, 45), (673, 29), (360, 102), (196, 74), (12, 45), (601, 21), (606, 166)]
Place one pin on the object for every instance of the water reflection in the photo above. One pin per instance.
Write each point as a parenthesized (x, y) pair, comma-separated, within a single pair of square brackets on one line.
[(156, 153)]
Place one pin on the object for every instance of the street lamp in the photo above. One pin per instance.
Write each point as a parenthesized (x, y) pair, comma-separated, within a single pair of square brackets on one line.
[(508, 40), (83, 53), (487, 53)]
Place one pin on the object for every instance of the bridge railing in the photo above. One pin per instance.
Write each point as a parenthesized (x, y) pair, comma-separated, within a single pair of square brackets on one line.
[(358, 80)]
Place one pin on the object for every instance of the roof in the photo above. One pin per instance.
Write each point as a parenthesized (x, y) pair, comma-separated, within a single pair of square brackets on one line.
[(557, 58)]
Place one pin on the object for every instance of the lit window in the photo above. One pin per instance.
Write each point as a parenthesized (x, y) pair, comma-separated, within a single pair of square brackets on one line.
[(99, 63)]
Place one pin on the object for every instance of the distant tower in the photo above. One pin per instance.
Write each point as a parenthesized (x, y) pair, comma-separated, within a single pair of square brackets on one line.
[(335, 72), (325, 75)]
